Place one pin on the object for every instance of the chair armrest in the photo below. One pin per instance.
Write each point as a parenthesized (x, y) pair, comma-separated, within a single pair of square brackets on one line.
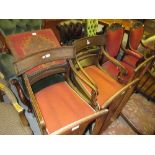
[(123, 71), (133, 52), (147, 47), (21, 94), (85, 74), (94, 92), (15, 104)]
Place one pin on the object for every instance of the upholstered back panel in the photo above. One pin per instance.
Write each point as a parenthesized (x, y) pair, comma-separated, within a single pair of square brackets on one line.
[(136, 34), (91, 27), (70, 30), (13, 26), (114, 37)]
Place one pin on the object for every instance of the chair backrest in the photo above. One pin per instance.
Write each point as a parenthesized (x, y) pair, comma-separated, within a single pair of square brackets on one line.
[(70, 30), (54, 56), (91, 27), (114, 36), (135, 35), (88, 49)]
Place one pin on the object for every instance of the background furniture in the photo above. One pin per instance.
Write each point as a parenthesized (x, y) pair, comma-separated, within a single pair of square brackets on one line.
[(12, 116), (8, 27)]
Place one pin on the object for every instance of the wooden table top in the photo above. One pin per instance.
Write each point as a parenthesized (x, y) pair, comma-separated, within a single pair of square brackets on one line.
[(28, 43), (127, 23)]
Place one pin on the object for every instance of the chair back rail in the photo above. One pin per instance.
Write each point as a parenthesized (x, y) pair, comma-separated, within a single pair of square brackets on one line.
[(44, 57), (87, 42)]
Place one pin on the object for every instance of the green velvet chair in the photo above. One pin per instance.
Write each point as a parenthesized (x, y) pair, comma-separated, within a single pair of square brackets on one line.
[(13, 26), (91, 27)]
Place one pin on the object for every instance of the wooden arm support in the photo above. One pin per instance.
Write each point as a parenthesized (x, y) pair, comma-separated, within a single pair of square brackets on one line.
[(21, 94), (94, 92)]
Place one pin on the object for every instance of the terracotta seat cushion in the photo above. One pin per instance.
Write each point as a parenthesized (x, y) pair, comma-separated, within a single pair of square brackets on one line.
[(131, 60), (60, 106), (107, 86), (113, 70), (141, 113)]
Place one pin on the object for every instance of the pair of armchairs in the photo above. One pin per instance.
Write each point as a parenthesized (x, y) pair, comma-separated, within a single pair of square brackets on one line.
[(126, 59), (8, 27), (12, 116)]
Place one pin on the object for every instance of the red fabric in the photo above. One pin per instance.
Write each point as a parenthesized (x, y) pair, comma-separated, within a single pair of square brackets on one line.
[(113, 41), (136, 35), (60, 106), (131, 60), (113, 70), (107, 86), (24, 44)]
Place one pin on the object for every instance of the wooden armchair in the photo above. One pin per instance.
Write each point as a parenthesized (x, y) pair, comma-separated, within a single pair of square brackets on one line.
[(58, 108), (106, 91), (12, 116)]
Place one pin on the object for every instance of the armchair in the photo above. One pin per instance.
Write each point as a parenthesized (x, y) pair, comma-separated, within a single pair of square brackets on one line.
[(12, 117), (56, 105)]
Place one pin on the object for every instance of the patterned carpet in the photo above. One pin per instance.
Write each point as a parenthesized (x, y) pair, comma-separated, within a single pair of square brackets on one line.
[(140, 114)]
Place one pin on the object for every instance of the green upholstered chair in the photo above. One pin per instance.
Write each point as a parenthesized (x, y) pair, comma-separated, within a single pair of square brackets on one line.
[(91, 27), (13, 26), (12, 117)]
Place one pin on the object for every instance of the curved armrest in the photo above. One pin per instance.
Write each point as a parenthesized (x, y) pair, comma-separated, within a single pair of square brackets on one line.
[(147, 47), (133, 52), (85, 74), (21, 94), (14, 102), (117, 63), (94, 92)]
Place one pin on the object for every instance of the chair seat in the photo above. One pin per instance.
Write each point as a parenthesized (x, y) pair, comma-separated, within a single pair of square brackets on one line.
[(107, 86), (113, 70), (119, 127), (131, 60), (60, 105), (10, 123), (141, 114)]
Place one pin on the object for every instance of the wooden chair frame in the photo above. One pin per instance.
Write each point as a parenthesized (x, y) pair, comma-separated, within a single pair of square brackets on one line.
[(65, 53)]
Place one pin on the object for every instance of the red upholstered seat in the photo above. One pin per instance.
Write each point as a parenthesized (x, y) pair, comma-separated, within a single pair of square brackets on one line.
[(28, 43), (113, 70), (60, 105), (131, 60), (106, 85)]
